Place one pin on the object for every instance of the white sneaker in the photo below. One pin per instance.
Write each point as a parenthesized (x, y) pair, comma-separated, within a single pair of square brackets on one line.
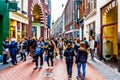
[(35, 67), (48, 67), (11, 65), (51, 67)]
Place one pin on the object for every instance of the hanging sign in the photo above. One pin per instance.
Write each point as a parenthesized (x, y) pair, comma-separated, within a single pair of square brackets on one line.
[(12, 6)]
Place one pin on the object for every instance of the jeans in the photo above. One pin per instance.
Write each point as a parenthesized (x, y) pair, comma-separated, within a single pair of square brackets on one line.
[(23, 56), (14, 59), (51, 59), (4, 58), (69, 68), (61, 53), (92, 51), (41, 60), (83, 69)]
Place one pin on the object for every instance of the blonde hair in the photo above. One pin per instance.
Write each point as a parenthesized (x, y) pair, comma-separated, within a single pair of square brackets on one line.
[(82, 46)]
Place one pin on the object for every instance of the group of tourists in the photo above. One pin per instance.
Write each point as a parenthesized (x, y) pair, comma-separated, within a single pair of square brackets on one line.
[(48, 49)]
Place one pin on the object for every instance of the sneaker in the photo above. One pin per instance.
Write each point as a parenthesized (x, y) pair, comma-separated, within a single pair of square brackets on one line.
[(11, 65), (78, 78), (35, 67), (48, 67), (40, 67), (51, 67)]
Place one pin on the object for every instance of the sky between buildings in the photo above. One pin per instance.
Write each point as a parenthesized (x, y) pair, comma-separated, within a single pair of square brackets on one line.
[(57, 8)]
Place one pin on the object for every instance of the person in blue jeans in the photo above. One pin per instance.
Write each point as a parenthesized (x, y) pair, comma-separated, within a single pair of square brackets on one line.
[(81, 60)]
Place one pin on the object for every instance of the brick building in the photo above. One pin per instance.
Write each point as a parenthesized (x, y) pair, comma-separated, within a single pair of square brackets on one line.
[(38, 18)]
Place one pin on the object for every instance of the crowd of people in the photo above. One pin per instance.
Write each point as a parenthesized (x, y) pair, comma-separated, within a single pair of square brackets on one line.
[(72, 50)]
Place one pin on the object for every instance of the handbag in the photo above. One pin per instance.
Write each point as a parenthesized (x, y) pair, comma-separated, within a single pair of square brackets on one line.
[(6, 51)]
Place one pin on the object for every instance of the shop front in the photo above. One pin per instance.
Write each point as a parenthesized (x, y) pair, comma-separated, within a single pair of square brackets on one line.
[(18, 25), (109, 31)]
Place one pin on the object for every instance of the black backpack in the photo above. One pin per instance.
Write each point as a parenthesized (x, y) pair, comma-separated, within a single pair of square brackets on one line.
[(86, 44)]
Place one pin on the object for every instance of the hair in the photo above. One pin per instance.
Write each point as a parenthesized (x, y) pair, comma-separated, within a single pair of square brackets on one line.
[(84, 38), (78, 40), (82, 46)]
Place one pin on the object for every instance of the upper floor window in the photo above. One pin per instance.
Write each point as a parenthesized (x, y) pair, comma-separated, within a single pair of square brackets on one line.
[(91, 5)]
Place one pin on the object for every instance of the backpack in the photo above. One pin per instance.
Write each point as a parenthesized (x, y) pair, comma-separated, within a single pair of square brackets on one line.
[(95, 45), (86, 44), (38, 51)]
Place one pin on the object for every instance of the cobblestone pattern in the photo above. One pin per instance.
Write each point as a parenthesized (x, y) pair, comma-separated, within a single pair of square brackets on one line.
[(25, 71)]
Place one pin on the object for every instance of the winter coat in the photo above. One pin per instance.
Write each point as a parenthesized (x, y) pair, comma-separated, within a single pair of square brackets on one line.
[(13, 48), (81, 56), (69, 53)]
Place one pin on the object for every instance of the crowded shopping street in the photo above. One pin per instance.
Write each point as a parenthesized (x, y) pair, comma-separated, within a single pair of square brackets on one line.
[(59, 39)]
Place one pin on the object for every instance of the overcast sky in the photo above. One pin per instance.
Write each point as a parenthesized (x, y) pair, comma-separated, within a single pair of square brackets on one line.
[(57, 8)]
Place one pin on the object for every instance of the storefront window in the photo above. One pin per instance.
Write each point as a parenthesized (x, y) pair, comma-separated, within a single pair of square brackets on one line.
[(110, 31), (92, 29)]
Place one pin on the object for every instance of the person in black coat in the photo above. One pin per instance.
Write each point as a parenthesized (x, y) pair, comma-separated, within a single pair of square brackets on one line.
[(69, 54), (5, 49)]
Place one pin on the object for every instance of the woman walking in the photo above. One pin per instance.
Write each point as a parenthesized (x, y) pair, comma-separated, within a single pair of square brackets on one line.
[(81, 60), (50, 54)]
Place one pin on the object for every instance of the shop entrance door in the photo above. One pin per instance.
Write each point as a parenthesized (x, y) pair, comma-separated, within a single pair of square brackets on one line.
[(110, 40)]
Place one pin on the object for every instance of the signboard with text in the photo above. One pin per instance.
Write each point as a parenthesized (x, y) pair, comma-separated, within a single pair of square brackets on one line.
[(12, 6)]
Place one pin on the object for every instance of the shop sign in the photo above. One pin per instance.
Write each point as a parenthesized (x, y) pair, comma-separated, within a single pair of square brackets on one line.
[(12, 6)]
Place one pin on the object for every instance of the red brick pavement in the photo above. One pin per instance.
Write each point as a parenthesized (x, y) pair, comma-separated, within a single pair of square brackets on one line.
[(25, 71)]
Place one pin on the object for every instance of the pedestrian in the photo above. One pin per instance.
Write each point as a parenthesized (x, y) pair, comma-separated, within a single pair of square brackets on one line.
[(28, 46), (92, 47), (5, 50), (86, 43), (77, 45), (69, 54), (60, 47), (23, 48), (37, 54), (50, 54), (81, 60), (40, 46), (13, 52), (33, 44)]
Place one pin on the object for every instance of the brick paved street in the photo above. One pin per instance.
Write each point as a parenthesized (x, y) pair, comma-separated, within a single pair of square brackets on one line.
[(25, 71)]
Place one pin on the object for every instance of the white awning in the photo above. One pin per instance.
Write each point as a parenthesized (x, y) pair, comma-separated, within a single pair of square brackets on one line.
[(73, 30)]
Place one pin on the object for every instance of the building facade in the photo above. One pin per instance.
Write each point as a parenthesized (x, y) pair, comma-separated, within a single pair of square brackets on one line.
[(108, 35), (71, 26), (38, 13), (19, 21), (90, 18)]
